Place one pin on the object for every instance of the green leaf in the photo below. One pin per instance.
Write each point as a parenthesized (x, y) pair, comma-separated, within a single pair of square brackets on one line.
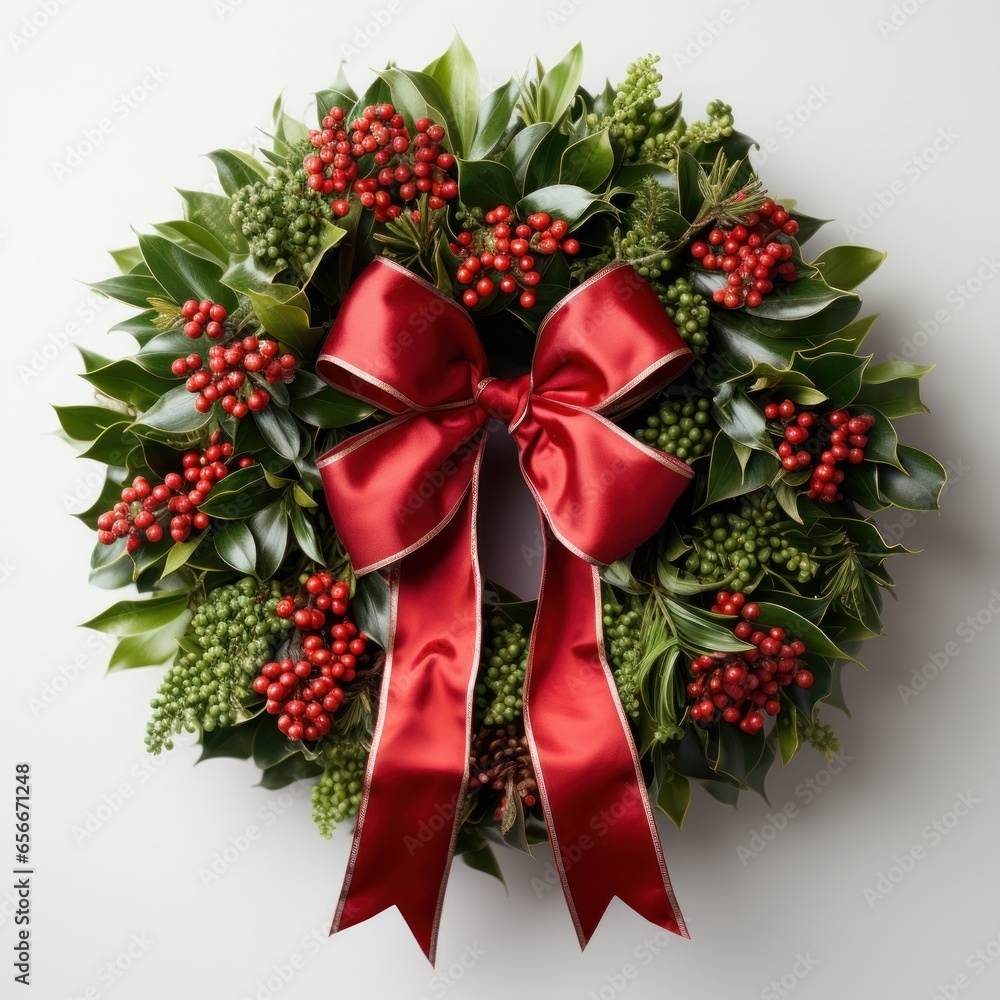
[(233, 741), (900, 398), (212, 212), (240, 494), (788, 733), (132, 289), (236, 169), (195, 238), (319, 404), (112, 445), (495, 114), (700, 631), (135, 617), (518, 153), (370, 606), (802, 299), (182, 274), (486, 184), (838, 376), (271, 747), (457, 73), (173, 413), (674, 796), (917, 486), (740, 419), (845, 267), (727, 478), (543, 167), (482, 859), (557, 89), (563, 201), (279, 430), (85, 423), (294, 768), (131, 383), (179, 553), (816, 640), (734, 753), (588, 161), (236, 545), (416, 95), (305, 533), (269, 528), (882, 439), (126, 259), (149, 649)]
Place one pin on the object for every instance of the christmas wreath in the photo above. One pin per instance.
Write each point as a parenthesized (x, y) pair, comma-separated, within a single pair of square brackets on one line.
[(294, 448)]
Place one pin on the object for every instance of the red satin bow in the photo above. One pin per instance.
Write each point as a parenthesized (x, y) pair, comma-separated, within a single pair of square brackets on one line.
[(403, 499)]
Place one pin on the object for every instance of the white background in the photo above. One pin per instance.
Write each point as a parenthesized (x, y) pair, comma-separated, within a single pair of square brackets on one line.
[(884, 87)]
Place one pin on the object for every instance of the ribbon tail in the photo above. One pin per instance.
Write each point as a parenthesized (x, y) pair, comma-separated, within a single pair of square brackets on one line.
[(600, 821), (418, 768)]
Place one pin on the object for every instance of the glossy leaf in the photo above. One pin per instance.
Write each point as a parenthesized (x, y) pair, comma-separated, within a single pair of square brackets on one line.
[(319, 404), (917, 486), (562, 201), (845, 267), (458, 75), (212, 212), (173, 413), (269, 528), (486, 184), (134, 617), (236, 169), (587, 162), (557, 88), (240, 494), (235, 544), (132, 289), (85, 423), (495, 115)]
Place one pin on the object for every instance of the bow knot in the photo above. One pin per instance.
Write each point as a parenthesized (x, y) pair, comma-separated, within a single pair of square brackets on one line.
[(403, 498), (504, 399)]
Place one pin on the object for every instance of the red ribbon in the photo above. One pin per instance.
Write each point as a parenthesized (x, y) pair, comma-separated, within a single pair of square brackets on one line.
[(403, 498)]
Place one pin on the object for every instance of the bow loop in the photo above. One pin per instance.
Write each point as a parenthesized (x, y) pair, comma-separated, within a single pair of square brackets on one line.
[(608, 345), (402, 353)]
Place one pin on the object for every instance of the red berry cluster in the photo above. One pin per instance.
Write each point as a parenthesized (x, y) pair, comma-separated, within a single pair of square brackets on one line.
[(306, 693), (408, 167), (744, 686), (225, 378), (502, 254), (750, 254), (147, 511), (841, 437)]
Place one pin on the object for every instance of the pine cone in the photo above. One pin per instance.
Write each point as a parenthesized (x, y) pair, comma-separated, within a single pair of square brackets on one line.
[(500, 757)]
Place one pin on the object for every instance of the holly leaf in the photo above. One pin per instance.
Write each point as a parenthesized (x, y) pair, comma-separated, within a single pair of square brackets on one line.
[(798, 627), (173, 413), (917, 485), (149, 649), (674, 796)]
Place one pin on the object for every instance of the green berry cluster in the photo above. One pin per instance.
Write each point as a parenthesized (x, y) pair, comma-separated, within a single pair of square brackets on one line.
[(282, 219), (732, 548), (633, 112), (337, 795), (500, 687), (659, 147), (621, 633), (236, 630), (689, 312), (818, 735), (682, 428)]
